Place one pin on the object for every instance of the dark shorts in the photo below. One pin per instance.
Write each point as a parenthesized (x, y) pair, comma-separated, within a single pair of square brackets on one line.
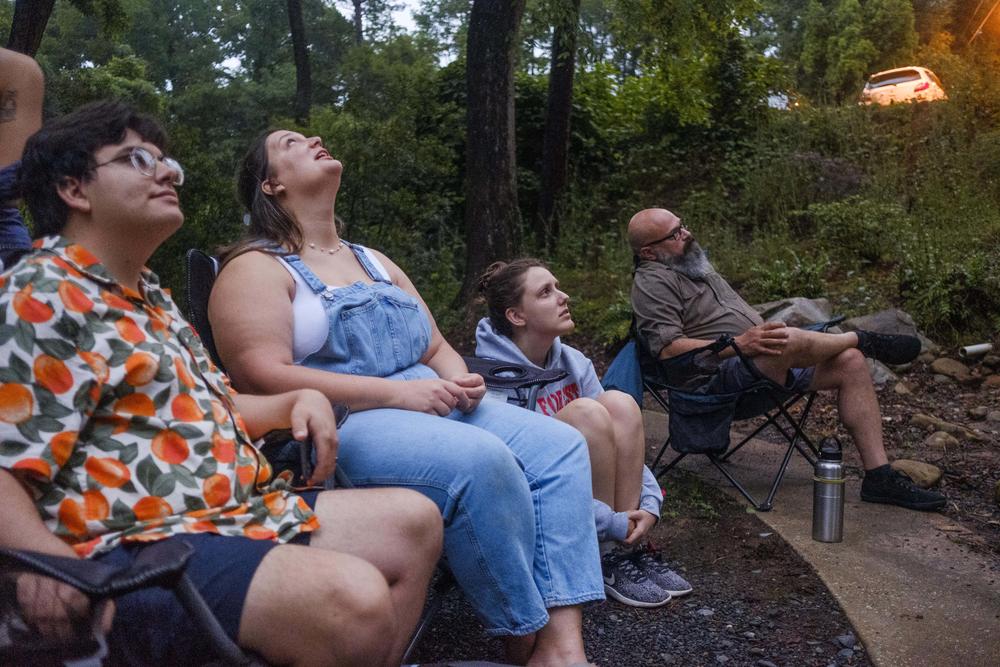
[(151, 626), (735, 376)]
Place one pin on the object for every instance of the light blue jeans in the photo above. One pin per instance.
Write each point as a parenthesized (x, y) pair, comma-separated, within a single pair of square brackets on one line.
[(514, 491), (513, 486)]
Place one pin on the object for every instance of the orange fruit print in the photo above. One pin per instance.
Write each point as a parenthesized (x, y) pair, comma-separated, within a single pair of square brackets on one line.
[(152, 507), (52, 374), (31, 309), (185, 408), (170, 446), (140, 369), (73, 298), (38, 466), (107, 471), (71, 516), (62, 446), (216, 490), (16, 403), (129, 330), (95, 505), (135, 404)]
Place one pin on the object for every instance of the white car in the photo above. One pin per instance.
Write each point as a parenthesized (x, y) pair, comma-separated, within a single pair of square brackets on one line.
[(904, 84)]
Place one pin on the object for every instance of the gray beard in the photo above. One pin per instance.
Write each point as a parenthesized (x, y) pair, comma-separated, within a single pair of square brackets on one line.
[(693, 263)]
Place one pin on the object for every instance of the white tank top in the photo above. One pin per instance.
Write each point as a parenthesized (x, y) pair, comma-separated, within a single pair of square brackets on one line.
[(310, 327)]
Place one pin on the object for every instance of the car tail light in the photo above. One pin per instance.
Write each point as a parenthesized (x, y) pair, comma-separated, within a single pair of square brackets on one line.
[(924, 86)]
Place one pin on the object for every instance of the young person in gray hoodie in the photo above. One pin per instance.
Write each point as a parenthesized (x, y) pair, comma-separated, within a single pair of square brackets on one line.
[(527, 315)]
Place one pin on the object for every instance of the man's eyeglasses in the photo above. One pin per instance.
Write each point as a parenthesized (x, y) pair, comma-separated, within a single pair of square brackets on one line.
[(145, 163), (672, 236)]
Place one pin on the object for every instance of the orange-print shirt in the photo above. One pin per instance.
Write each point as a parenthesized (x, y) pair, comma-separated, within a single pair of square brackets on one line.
[(115, 418)]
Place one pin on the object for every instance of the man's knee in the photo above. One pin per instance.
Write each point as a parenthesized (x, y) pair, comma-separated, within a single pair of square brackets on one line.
[(418, 520)]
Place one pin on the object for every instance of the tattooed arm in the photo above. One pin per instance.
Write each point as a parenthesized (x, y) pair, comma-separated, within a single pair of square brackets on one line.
[(21, 90)]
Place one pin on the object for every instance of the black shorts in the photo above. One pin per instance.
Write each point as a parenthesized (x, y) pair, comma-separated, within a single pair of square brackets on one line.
[(151, 626)]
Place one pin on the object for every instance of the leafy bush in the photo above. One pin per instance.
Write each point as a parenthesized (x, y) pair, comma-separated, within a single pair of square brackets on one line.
[(854, 230), (783, 277)]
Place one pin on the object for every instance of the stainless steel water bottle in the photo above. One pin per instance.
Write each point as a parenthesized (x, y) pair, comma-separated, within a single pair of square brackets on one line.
[(828, 493)]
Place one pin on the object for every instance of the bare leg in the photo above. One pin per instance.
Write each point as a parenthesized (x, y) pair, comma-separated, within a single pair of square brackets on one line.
[(396, 530), (311, 606), (592, 420), (630, 445), (560, 642), (856, 402), (517, 650), (804, 349)]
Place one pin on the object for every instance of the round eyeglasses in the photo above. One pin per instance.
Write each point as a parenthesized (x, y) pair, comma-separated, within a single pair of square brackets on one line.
[(145, 163), (672, 236)]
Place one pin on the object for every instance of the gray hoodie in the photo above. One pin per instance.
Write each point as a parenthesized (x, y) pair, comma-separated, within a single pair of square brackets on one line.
[(581, 381)]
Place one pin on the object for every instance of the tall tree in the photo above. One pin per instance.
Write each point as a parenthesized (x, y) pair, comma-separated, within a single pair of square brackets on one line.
[(30, 18), (359, 27), (303, 73), (555, 143), (492, 218)]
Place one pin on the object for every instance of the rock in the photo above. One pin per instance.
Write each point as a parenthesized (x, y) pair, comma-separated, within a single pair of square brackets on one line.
[(722, 659), (991, 361), (880, 373), (993, 416), (890, 321), (923, 475), (796, 312), (756, 650), (978, 413), (929, 423), (926, 357), (765, 663), (996, 493), (845, 653), (941, 440), (706, 612), (750, 635), (951, 368), (847, 640), (991, 381), (902, 389)]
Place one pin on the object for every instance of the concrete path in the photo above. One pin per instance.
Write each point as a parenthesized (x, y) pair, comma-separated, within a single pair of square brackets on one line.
[(914, 596)]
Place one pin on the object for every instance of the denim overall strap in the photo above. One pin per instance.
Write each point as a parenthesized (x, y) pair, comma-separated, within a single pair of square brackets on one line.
[(366, 263), (315, 284)]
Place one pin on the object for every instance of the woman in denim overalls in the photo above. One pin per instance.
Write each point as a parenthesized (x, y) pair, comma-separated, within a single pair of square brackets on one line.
[(295, 306)]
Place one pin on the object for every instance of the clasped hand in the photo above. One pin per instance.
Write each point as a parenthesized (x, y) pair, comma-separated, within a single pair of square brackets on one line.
[(440, 396), (769, 338)]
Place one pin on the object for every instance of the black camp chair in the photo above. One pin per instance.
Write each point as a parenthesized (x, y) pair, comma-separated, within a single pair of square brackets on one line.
[(700, 423)]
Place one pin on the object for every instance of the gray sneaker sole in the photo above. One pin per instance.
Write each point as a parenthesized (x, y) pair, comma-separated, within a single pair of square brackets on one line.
[(624, 599)]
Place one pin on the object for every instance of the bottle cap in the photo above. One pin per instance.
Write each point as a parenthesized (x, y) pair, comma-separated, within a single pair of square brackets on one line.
[(830, 450)]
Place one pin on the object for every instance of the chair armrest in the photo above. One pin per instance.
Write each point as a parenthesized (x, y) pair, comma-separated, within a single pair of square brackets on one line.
[(160, 563), (505, 375)]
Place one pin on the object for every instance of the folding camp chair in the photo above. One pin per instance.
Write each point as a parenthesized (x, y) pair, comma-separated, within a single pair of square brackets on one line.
[(158, 564), (202, 270), (700, 423), (503, 377)]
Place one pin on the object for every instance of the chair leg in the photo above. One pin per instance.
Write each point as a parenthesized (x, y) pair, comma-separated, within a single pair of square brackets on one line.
[(760, 507), (444, 584), (659, 455), (665, 469)]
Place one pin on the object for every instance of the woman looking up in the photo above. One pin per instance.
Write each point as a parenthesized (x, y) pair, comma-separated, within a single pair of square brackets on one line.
[(297, 306), (527, 315)]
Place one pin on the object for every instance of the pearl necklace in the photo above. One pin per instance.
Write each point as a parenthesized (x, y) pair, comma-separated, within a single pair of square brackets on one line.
[(329, 251)]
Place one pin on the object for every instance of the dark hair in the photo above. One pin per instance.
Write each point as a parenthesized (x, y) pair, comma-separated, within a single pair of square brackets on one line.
[(64, 148), (502, 286), (269, 222)]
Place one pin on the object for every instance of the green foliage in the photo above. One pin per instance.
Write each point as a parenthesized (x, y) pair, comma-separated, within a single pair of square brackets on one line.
[(855, 228), (788, 275)]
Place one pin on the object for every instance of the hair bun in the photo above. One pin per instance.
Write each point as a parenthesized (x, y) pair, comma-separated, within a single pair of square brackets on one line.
[(487, 276)]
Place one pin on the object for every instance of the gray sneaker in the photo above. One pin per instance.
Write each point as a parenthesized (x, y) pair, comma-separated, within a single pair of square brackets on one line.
[(648, 559), (626, 582)]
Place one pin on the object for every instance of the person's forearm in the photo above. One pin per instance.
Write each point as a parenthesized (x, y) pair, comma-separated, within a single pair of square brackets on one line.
[(359, 392), (446, 362), (20, 525), (679, 346)]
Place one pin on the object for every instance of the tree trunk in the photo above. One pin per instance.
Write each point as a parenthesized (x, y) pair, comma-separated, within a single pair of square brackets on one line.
[(492, 218), (359, 33), (555, 143), (28, 25), (303, 74)]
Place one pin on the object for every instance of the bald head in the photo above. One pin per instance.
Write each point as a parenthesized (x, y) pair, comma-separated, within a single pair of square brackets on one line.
[(648, 225)]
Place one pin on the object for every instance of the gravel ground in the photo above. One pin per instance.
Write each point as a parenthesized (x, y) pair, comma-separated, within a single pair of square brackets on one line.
[(755, 601)]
